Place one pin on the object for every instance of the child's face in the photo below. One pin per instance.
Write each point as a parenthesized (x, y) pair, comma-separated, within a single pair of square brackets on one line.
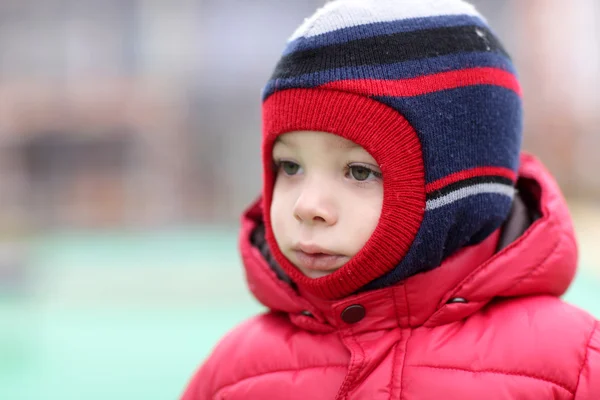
[(327, 200)]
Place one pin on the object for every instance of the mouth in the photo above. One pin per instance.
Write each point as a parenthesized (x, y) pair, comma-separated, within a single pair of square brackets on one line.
[(317, 261)]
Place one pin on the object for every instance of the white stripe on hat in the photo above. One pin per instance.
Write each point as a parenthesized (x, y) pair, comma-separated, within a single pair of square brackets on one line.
[(341, 14), (462, 193)]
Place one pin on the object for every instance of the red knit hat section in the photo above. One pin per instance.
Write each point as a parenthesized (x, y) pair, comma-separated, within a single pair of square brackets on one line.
[(391, 140)]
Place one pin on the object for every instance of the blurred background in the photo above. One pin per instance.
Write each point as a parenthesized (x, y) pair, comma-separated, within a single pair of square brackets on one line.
[(129, 145)]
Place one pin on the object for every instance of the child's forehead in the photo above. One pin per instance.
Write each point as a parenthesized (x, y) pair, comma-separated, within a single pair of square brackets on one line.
[(304, 138)]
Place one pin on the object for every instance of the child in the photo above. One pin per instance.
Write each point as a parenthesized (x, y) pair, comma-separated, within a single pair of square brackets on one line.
[(403, 246)]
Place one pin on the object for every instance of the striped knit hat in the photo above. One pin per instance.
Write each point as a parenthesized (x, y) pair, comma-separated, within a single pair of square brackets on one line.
[(428, 90)]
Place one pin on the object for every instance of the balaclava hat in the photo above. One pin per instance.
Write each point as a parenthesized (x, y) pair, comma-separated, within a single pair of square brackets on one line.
[(428, 90)]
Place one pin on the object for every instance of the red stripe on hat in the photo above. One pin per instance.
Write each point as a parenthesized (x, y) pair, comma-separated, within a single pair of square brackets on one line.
[(429, 83), (470, 173)]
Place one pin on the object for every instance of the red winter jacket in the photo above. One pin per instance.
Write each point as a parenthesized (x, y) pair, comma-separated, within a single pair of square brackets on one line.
[(484, 325)]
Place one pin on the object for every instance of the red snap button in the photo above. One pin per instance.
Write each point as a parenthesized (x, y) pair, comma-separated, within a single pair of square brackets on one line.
[(354, 313)]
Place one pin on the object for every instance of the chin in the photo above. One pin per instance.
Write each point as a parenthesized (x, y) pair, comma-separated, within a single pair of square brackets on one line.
[(316, 274)]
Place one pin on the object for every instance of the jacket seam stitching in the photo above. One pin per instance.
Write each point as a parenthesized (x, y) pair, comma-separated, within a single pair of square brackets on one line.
[(229, 385), (394, 369), (585, 359), (360, 368), (406, 345), (346, 386), (395, 304), (407, 305), (493, 371), (347, 377), (404, 363)]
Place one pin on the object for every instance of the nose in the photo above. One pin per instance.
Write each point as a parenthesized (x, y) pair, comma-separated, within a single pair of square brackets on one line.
[(315, 206)]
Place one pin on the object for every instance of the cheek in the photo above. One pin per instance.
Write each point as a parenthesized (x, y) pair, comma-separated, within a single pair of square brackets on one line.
[(279, 212), (366, 220)]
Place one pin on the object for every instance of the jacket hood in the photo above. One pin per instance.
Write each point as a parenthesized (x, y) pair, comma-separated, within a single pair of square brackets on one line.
[(538, 260)]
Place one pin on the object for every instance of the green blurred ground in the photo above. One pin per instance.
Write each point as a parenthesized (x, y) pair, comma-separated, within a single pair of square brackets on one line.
[(130, 316)]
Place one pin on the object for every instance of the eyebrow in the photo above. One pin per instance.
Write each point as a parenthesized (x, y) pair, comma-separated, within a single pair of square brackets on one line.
[(346, 145)]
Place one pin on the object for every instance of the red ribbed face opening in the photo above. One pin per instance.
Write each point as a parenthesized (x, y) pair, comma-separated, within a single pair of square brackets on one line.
[(394, 144)]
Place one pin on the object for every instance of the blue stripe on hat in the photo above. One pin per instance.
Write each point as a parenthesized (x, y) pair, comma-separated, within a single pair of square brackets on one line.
[(464, 128), (404, 70), (344, 35)]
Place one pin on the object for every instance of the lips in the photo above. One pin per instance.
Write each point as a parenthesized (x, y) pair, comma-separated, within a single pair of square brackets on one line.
[(315, 259)]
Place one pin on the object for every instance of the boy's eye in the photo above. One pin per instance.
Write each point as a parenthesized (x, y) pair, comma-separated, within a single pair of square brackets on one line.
[(361, 173), (290, 168)]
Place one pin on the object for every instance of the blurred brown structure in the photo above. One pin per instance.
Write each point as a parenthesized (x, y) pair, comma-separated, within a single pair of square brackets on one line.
[(92, 153), (558, 51), (128, 113)]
